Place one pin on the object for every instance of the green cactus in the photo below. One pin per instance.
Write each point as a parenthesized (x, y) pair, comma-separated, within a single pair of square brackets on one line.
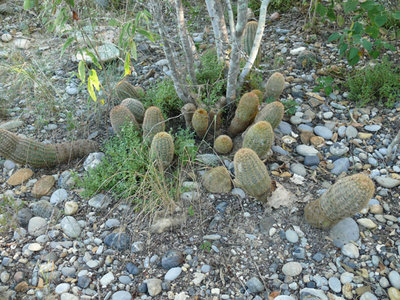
[(272, 113), (153, 123), (217, 180), (188, 110), (248, 40), (120, 116), (125, 90), (223, 144), (162, 149), (200, 122), (244, 114), (259, 138), (27, 151), (343, 199), (259, 94), (136, 107), (251, 174), (275, 86)]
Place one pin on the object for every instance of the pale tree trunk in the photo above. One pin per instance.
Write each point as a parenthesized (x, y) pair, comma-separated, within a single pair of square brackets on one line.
[(178, 78), (234, 64), (256, 44), (183, 34), (215, 10)]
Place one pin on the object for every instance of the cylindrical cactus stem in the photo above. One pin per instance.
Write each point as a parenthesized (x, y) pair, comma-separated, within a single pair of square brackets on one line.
[(120, 116), (275, 86), (153, 123), (343, 199), (251, 174), (28, 151), (136, 108), (215, 119), (125, 90), (217, 180), (200, 122), (259, 94), (188, 110), (259, 138), (248, 40), (272, 113), (223, 144), (244, 114), (162, 149)]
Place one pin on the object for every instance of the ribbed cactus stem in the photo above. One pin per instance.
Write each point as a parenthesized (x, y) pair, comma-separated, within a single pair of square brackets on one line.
[(121, 116), (153, 123), (162, 148), (248, 40), (125, 90), (343, 199), (275, 86), (200, 122), (251, 174), (259, 138), (272, 113), (244, 114), (28, 151), (136, 108)]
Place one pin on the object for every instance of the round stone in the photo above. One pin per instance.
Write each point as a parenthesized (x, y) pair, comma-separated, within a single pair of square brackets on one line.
[(153, 286), (34, 247), (23, 216), (387, 182), (58, 196), (68, 296), (171, 259), (20, 176), (346, 277), (121, 295), (255, 285), (306, 150), (118, 240), (292, 268), (107, 279), (394, 278), (372, 128), (340, 165), (132, 268), (37, 226), (351, 132), (338, 149), (350, 250), (393, 293), (298, 169), (43, 186), (62, 288), (323, 131), (70, 208), (368, 296), (335, 284), (345, 231), (292, 236), (70, 227), (367, 223), (311, 160), (173, 273)]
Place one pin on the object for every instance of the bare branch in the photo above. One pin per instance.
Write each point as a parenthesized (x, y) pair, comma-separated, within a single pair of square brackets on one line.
[(231, 19)]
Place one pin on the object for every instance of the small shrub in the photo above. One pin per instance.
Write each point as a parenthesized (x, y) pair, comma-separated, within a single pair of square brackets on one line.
[(378, 83), (8, 209)]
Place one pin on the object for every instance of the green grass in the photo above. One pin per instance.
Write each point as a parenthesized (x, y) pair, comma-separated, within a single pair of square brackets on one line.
[(378, 84)]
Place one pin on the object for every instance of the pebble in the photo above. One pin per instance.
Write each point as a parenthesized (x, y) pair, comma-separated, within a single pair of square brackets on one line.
[(20, 176), (68, 296), (298, 169), (121, 295), (292, 269), (335, 284), (340, 165), (338, 149), (255, 285), (311, 160), (314, 294), (291, 236), (368, 296), (387, 182), (71, 90), (304, 127), (285, 127), (346, 277), (171, 259), (70, 208), (372, 128), (153, 286), (324, 132), (351, 132), (327, 115), (62, 288), (37, 226), (173, 273), (238, 192), (93, 160), (306, 150), (367, 223), (394, 294), (394, 278), (297, 51), (117, 240), (345, 231), (71, 227), (350, 250), (58, 196), (100, 201), (107, 279)]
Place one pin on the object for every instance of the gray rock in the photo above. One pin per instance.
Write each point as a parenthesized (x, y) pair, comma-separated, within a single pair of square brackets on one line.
[(71, 90), (171, 259), (304, 127), (121, 295), (255, 285), (342, 131), (306, 150), (93, 160), (68, 296), (83, 281), (327, 115), (311, 160), (23, 216), (37, 226), (10, 125), (340, 165), (312, 294), (291, 236), (279, 150), (284, 127), (125, 279), (107, 279), (345, 231), (368, 296), (323, 131), (387, 182), (62, 288), (337, 106), (335, 284), (238, 192), (292, 268), (70, 227), (350, 250), (372, 161), (8, 164), (338, 149), (44, 209), (372, 128), (111, 223), (298, 169), (153, 286), (394, 278), (58, 196), (211, 160), (284, 297), (100, 201), (68, 271), (173, 273), (117, 240), (295, 120), (351, 132)]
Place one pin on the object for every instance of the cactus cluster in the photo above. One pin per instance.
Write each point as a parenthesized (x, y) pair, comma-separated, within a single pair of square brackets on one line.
[(162, 149), (28, 151), (125, 90), (343, 199), (136, 108), (245, 113)]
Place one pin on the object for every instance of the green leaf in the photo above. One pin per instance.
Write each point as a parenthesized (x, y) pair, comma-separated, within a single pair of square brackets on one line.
[(91, 91), (389, 46), (127, 68), (354, 60), (353, 52), (396, 15), (321, 10), (82, 71), (28, 4), (342, 49), (133, 50), (375, 54), (368, 5), (340, 20), (372, 31), (146, 33), (93, 57), (331, 14), (366, 44), (380, 20), (70, 2), (350, 6), (357, 28), (334, 36), (94, 80), (113, 22), (66, 44)]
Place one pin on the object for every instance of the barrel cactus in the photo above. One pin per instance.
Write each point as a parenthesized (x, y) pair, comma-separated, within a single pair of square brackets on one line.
[(251, 174), (153, 123), (244, 114), (136, 107), (275, 86), (120, 116), (162, 149), (343, 199), (272, 113), (259, 138), (223, 144), (258, 93), (248, 40), (200, 122), (217, 180), (125, 90)]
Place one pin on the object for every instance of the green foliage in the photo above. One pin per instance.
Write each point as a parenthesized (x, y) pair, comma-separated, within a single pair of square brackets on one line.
[(127, 170), (325, 83), (8, 208), (206, 246), (211, 77), (164, 96), (289, 104), (279, 5), (255, 80), (378, 83)]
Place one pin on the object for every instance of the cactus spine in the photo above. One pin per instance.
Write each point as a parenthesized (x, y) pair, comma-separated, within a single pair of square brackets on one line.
[(251, 174), (217, 180), (343, 199), (125, 90), (200, 122), (244, 114), (275, 86), (223, 144), (120, 116), (27, 151), (162, 149), (272, 113), (153, 123), (248, 40), (259, 138), (136, 108)]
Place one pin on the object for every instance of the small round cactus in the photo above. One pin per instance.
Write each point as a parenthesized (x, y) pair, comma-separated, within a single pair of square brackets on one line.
[(153, 123), (259, 138), (275, 86), (223, 144), (136, 107), (217, 180), (272, 113), (251, 174), (162, 149), (200, 122), (343, 199), (125, 90), (244, 114), (120, 116)]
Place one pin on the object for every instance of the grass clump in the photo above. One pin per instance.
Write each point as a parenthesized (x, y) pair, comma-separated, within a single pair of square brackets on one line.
[(379, 83), (127, 171)]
